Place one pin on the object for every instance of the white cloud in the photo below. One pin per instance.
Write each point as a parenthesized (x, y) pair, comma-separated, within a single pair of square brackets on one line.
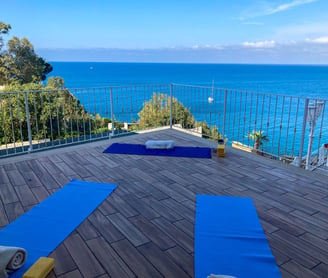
[(288, 6), (207, 46), (268, 8), (320, 40), (260, 44)]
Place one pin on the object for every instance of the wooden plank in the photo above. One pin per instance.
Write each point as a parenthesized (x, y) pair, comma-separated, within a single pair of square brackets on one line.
[(182, 259), (163, 210), (65, 168), (291, 251), (323, 216), (299, 270), (72, 274), (137, 262), (175, 233), (83, 257), (286, 274), (25, 195), (76, 166), (177, 179), (95, 170), (15, 177), (3, 217), (105, 227), (161, 261), (3, 176), (308, 248), (281, 220), (8, 194), (51, 167), (293, 248), (312, 224), (104, 276), (184, 190), (46, 179), (142, 175), (91, 158), (106, 207), (141, 207), (308, 206), (40, 193), (9, 167), (14, 210), (152, 232), (268, 227), (131, 232), (206, 181), (170, 192), (321, 270), (31, 179), (122, 206), (87, 231), (150, 190), (138, 189), (61, 179), (112, 263), (316, 242), (62, 265), (185, 226), (280, 257)]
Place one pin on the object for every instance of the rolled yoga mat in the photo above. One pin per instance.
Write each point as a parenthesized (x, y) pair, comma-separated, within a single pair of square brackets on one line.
[(229, 239), (40, 230), (11, 259), (177, 151)]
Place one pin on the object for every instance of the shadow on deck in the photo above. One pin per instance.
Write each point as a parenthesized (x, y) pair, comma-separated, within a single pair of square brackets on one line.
[(146, 227)]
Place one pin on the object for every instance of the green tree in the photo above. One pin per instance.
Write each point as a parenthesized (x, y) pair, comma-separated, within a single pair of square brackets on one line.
[(4, 29), (53, 113), (56, 82), (207, 132), (20, 64), (156, 112), (258, 138)]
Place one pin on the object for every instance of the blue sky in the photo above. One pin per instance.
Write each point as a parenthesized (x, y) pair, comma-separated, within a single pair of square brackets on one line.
[(221, 31)]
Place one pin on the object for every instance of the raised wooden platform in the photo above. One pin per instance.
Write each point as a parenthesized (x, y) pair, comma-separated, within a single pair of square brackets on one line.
[(146, 227)]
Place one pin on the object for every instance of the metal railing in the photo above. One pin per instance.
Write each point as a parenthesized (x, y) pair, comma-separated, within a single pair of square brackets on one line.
[(285, 124), (278, 126)]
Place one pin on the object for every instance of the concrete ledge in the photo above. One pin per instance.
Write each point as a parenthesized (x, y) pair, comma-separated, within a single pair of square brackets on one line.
[(241, 146)]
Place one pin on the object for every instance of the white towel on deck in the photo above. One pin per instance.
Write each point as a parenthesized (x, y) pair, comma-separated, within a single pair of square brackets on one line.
[(160, 144), (11, 259)]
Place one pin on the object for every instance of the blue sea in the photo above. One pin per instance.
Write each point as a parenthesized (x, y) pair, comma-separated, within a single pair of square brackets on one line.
[(297, 80)]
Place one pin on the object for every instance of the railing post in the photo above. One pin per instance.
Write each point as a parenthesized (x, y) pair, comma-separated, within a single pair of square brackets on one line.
[(171, 95), (224, 113), (298, 160), (29, 131), (112, 111)]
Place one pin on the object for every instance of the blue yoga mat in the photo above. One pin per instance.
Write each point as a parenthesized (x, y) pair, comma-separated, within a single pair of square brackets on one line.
[(178, 151), (229, 239), (46, 225)]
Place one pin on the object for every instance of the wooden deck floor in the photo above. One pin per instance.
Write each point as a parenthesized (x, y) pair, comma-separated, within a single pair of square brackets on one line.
[(146, 227)]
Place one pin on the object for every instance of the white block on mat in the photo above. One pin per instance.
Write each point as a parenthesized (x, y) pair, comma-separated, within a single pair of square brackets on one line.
[(160, 144)]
